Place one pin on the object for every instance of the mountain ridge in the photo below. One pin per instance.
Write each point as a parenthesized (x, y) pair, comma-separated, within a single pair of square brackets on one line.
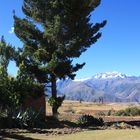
[(106, 75), (110, 86)]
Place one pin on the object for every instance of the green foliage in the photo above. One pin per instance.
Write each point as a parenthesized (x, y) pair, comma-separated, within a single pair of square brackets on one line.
[(29, 119), (7, 83), (7, 53), (88, 120), (131, 111), (22, 118), (60, 39), (14, 91), (65, 33), (110, 112), (57, 102), (101, 113)]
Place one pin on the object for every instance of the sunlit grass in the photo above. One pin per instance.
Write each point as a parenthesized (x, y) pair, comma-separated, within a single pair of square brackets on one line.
[(101, 135)]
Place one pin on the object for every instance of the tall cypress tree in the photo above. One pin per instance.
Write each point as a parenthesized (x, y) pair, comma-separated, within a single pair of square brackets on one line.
[(54, 32)]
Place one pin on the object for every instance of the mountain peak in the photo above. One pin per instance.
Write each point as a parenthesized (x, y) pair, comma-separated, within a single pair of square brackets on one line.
[(82, 79), (105, 75), (109, 75)]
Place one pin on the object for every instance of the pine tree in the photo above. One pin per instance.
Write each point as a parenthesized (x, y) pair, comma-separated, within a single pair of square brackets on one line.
[(54, 32)]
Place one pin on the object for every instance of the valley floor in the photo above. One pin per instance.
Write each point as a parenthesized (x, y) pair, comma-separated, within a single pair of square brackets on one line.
[(72, 110)]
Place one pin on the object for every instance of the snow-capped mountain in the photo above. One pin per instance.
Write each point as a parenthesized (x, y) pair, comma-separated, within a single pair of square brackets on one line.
[(101, 76), (111, 86), (109, 75), (82, 79)]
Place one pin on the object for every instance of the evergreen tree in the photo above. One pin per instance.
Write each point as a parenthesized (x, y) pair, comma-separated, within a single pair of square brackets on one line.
[(15, 90), (7, 53), (54, 32)]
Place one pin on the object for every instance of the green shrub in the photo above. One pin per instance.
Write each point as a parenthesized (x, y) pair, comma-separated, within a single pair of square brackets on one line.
[(22, 119), (131, 111), (28, 119), (101, 113), (88, 120), (57, 101), (111, 112)]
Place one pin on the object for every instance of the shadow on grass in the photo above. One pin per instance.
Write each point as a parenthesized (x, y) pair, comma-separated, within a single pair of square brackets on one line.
[(5, 135), (53, 126), (68, 123)]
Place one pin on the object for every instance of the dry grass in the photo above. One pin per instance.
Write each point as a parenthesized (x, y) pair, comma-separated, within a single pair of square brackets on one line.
[(71, 110), (86, 106)]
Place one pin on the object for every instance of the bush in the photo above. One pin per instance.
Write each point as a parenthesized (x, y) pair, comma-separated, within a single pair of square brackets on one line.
[(88, 120), (57, 101), (28, 119), (101, 113), (22, 119), (131, 111), (111, 112)]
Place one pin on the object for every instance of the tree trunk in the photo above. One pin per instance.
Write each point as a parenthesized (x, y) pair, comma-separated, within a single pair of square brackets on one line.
[(54, 95)]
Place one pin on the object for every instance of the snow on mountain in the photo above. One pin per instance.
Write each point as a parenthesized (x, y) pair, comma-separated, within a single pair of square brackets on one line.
[(82, 79), (110, 86), (110, 75), (106, 75)]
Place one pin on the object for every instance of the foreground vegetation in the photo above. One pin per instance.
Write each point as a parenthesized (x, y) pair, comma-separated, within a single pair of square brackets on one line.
[(73, 123)]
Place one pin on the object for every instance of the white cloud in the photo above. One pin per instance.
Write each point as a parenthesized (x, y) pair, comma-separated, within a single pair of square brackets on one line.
[(11, 31)]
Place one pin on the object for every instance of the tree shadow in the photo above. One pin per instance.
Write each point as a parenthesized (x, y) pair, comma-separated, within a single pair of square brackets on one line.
[(69, 124), (4, 135)]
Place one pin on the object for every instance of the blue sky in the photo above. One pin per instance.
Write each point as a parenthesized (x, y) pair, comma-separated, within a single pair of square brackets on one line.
[(117, 50)]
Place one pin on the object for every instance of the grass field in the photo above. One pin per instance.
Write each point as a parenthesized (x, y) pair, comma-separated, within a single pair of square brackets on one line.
[(102, 135), (71, 110), (87, 135), (87, 107)]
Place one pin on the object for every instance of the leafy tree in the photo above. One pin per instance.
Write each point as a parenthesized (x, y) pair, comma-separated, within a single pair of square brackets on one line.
[(54, 32), (6, 54), (14, 90)]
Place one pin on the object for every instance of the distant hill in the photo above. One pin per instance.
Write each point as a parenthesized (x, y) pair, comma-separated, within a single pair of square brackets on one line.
[(109, 87)]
